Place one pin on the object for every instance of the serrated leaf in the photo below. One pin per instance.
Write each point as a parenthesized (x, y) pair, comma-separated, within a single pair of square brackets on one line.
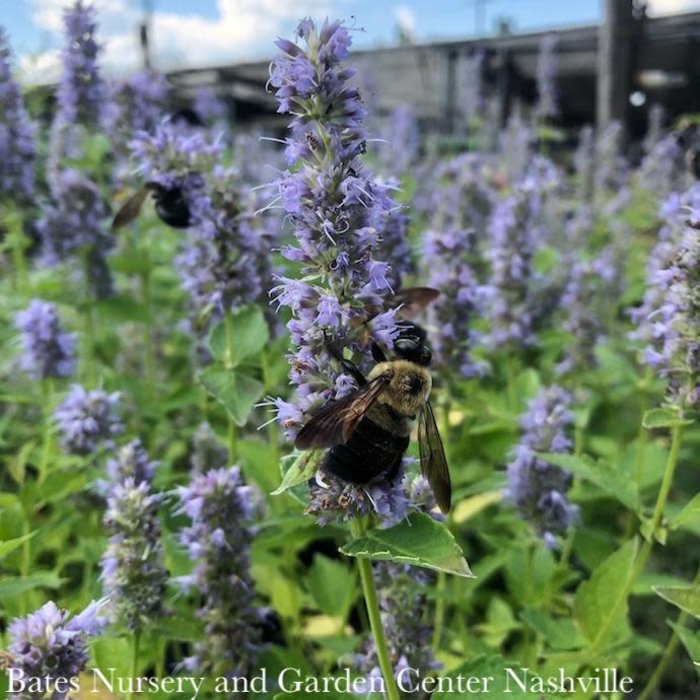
[(691, 641), (332, 585), (10, 545), (685, 598), (13, 586), (249, 334), (596, 597), (235, 391), (689, 514), (561, 634), (417, 540), (112, 652), (297, 469), (662, 418), (614, 481)]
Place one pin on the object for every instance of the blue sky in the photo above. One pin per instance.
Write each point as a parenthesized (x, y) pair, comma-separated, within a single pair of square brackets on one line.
[(213, 32)]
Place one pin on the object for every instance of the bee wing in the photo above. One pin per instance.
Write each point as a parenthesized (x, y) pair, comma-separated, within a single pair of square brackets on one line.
[(414, 300), (335, 422), (433, 463), (130, 209)]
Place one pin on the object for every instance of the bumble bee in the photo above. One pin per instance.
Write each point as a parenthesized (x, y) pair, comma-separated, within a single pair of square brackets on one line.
[(170, 204), (368, 432)]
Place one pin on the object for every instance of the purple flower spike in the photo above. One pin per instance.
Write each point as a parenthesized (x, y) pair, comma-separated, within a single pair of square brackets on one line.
[(47, 350), (49, 643), (218, 542), (17, 134), (538, 489), (88, 420)]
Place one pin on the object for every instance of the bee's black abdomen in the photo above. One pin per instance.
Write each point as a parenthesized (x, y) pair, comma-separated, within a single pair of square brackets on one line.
[(370, 452)]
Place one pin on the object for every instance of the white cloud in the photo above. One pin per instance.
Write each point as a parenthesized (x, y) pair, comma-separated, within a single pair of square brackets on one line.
[(670, 7), (241, 29)]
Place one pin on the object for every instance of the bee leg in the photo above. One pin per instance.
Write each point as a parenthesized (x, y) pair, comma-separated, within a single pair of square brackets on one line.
[(393, 471), (377, 353), (348, 366)]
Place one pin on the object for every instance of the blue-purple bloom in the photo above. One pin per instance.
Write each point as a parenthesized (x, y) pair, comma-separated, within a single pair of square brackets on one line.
[(400, 142), (669, 318), (74, 225), (133, 573), (335, 208), (88, 420), (47, 350), (51, 643), (132, 462), (218, 541), (539, 489), (17, 134), (81, 91), (446, 256)]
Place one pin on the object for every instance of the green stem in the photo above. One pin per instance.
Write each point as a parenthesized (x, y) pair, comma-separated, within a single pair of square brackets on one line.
[(18, 241), (272, 427), (644, 552), (134, 661), (89, 324), (228, 363), (26, 562), (47, 400), (370, 593), (669, 651), (149, 353), (511, 386)]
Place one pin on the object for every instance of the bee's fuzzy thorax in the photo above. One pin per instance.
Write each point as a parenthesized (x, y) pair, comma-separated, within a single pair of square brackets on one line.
[(409, 388)]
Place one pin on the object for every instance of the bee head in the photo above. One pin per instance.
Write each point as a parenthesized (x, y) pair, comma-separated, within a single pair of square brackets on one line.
[(413, 349)]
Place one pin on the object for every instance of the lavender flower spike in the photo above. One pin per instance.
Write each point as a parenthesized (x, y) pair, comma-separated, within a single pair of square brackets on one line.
[(47, 350), (538, 489), (218, 542), (547, 98), (17, 147), (133, 574), (335, 208), (132, 462), (49, 643), (88, 420)]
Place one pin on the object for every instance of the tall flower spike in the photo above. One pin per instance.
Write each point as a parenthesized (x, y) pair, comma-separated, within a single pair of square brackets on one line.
[(51, 643), (88, 420), (47, 350), (446, 258), (81, 91), (17, 133), (132, 462), (334, 207), (133, 574), (220, 507), (539, 489)]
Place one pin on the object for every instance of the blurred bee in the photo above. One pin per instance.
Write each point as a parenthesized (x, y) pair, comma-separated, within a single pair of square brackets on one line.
[(368, 432), (170, 204)]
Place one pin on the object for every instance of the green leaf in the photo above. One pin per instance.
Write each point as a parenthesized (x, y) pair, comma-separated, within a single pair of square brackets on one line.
[(596, 597), (561, 634), (297, 469), (615, 481), (663, 418), (14, 586), (10, 545), (689, 514), (418, 540), (691, 642), (249, 335), (332, 585), (684, 597), (17, 466), (236, 392), (112, 652)]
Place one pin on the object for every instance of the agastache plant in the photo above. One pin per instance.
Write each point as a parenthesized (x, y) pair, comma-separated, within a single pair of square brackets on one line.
[(218, 541), (537, 488), (547, 99), (17, 133), (446, 257), (50, 644), (133, 573), (47, 350), (332, 204), (88, 420)]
